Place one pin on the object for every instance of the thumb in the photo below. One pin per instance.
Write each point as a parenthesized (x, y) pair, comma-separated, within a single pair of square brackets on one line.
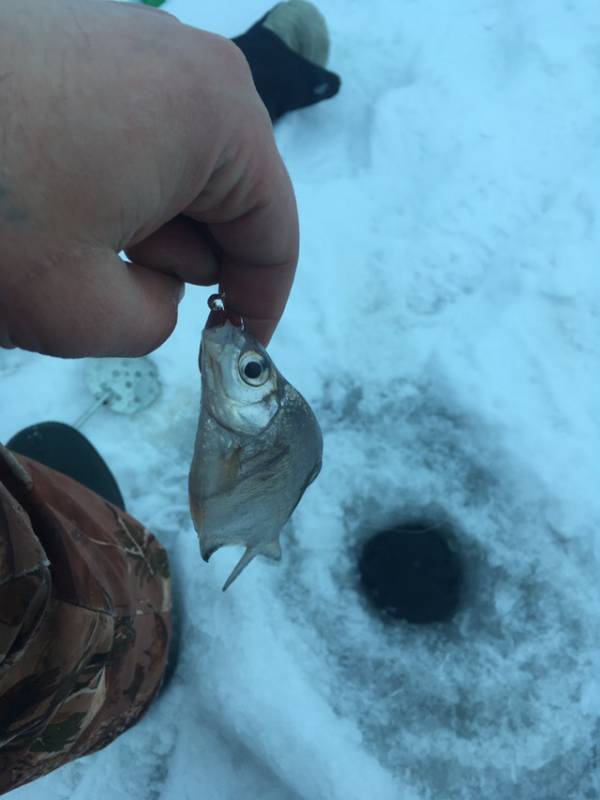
[(92, 305)]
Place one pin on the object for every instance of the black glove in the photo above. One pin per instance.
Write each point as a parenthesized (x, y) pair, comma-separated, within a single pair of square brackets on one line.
[(284, 80)]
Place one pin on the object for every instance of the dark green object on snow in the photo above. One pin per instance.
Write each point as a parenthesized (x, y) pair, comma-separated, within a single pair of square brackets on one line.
[(153, 2)]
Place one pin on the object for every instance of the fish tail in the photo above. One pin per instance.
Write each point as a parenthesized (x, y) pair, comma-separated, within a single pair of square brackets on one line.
[(270, 550), (240, 566)]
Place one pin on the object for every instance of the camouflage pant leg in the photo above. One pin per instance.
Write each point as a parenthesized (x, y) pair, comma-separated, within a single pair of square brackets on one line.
[(85, 624)]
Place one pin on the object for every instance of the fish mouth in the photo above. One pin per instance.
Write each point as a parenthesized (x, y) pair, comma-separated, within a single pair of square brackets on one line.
[(215, 339), (239, 408), (214, 343)]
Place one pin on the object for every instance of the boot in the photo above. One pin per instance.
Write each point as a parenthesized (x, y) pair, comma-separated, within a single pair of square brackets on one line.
[(287, 51)]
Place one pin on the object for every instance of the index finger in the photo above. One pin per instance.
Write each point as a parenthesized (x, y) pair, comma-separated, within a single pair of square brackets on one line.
[(258, 259), (258, 255), (249, 206)]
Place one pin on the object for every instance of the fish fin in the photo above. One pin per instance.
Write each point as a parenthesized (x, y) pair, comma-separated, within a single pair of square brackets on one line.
[(313, 475), (241, 565), (206, 552), (272, 550)]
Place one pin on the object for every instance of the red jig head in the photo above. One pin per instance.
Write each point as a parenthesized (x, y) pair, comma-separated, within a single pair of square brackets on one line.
[(219, 314)]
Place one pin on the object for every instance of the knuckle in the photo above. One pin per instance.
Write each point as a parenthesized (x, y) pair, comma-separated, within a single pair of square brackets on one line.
[(217, 61), (230, 56), (162, 326)]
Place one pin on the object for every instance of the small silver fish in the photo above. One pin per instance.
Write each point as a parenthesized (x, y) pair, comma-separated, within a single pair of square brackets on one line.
[(258, 447)]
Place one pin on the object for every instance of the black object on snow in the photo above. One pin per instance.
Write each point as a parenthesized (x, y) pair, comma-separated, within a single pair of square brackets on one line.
[(64, 449), (284, 80), (410, 572)]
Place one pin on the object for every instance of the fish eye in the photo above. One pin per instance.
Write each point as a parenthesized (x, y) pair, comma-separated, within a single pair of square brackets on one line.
[(254, 368)]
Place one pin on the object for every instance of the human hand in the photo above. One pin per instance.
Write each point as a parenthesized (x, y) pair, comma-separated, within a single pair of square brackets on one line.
[(123, 129)]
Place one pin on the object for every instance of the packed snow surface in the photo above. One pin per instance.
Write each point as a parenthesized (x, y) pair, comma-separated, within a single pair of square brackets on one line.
[(445, 327)]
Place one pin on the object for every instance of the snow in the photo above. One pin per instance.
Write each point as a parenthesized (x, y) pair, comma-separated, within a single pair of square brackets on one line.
[(444, 326)]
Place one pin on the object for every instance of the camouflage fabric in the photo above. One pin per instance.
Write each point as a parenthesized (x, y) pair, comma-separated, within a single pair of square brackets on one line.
[(85, 620)]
